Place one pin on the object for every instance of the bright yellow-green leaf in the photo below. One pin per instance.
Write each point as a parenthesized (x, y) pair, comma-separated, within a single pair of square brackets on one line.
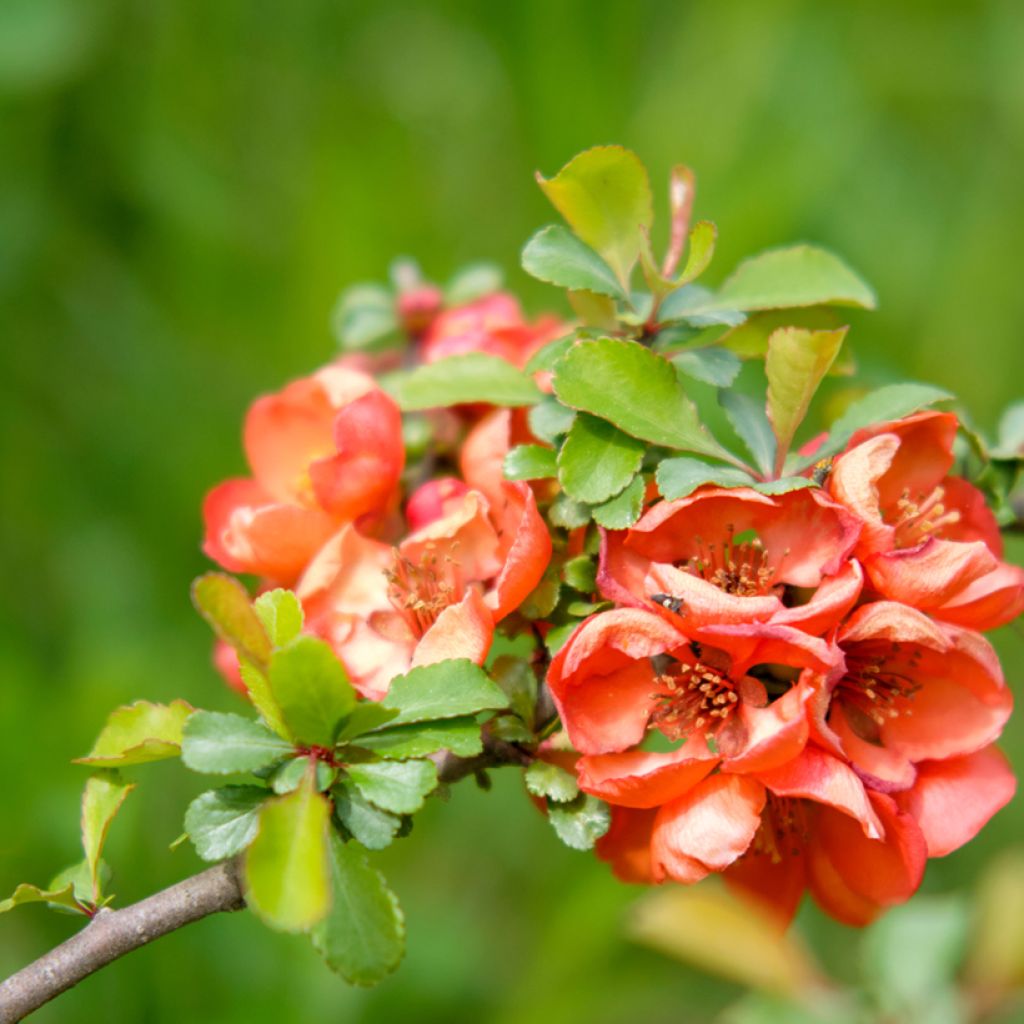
[(225, 605), (700, 252), (105, 791), (138, 733), (287, 878), (605, 195), (281, 615), (797, 361), (710, 928), (26, 893), (258, 688)]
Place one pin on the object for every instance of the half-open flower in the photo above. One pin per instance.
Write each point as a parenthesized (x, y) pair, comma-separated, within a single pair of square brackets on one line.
[(737, 556), (911, 690), (438, 594), (324, 451)]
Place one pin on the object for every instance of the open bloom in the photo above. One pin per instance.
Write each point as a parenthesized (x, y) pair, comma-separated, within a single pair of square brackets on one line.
[(324, 451), (928, 538), (467, 564), (493, 324), (911, 689), (807, 824), (736, 556)]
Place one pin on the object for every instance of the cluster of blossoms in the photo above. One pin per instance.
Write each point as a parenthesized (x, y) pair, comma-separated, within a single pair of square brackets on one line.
[(791, 690)]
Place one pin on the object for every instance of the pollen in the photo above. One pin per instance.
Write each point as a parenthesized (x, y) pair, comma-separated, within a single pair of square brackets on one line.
[(783, 830), (915, 521), (741, 568), (419, 592), (693, 698), (880, 682)]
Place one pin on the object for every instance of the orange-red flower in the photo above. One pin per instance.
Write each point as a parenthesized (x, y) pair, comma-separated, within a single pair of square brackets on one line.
[(928, 538), (736, 556), (324, 451), (493, 324), (467, 564), (911, 690)]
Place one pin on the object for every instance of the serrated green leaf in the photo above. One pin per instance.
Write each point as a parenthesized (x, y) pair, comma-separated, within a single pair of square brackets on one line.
[(567, 513), (797, 361), (624, 509), (446, 689), (597, 460), (311, 687), (605, 196), (281, 615), (223, 822), (546, 357), (27, 893), (749, 340), (139, 733), (750, 421), (800, 275), (365, 717), (79, 877), (105, 792), (530, 462), (463, 380), (286, 873), (580, 822), (473, 282), (396, 786), (892, 402), (637, 390), (222, 744), (363, 937), (459, 735), (557, 637), (551, 781), (556, 256), (369, 825), (550, 420), (580, 573), (713, 365), (680, 477), (225, 605), (783, 485)]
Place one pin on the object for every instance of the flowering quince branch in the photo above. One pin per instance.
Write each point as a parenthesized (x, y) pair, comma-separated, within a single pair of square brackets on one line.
[(481, 540)]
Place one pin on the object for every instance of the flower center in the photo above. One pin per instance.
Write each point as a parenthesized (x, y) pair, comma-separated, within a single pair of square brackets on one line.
[(783, 830), (880, 680), (915, 521), (693, 697), (740, 568), (420, 592)]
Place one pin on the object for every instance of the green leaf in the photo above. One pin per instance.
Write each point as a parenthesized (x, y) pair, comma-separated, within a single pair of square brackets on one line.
[(624, 509), (368, 825), (79, 877), (281, 615), (750, 421), (749, 340), (580, 822), (678, 478), (364, 318), (511, 729), (530, 462), (286, 873), (446, 689), (258, 690), (605, 196), (473, 282), (1010, 444), (312, 690), (717, 366), (104, 794), (783, 485), (567, 513), (594, 310), (558, 257), (694, 304), (550, 420), (801, 275), (519, 681), (463, 380), (221, 744), (26, 893), (597, 460), (557, 637), (225, 605), (365, 717), (551, 781), (139, 733), (797, 361), (289, 775), (459, 735), (396, 786), (546, 357), (580, 573), (638, 391), (363, 937), (223, 822), (892, 402), (700, 251)]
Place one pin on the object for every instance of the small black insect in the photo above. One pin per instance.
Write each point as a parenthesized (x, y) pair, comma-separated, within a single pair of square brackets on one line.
[(822, 469), (698, 649), (673, 604)]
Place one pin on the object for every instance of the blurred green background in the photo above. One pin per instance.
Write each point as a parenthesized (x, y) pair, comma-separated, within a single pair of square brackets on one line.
[(185, 186)]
